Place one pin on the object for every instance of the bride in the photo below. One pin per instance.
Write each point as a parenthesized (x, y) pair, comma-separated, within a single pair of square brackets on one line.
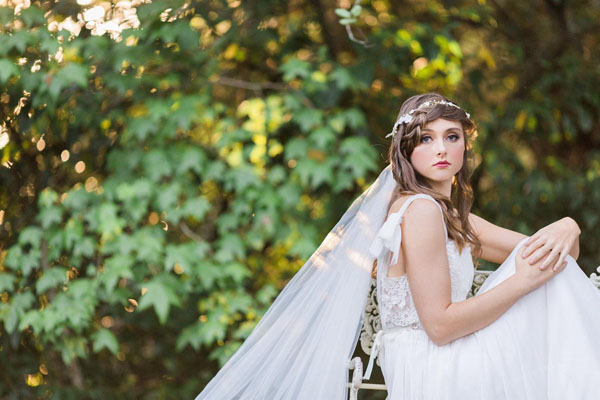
[(528, 334)]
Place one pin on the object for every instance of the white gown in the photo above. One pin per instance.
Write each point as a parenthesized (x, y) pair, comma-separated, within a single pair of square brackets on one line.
[(546, 346)]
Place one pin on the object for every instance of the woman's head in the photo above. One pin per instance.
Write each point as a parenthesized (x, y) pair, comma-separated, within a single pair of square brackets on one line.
[(431, 128), (410, 136)]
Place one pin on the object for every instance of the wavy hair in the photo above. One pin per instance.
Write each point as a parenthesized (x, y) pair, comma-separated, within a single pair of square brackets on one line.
[(456, 209)]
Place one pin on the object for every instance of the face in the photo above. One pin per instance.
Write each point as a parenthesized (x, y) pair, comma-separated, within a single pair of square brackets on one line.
[(441, 140)]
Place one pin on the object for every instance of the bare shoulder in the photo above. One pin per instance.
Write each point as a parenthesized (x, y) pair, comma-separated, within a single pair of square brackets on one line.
[(419, 208), (422, 223)]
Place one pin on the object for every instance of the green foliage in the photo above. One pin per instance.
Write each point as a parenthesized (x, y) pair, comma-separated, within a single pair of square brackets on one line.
[(160, 186)]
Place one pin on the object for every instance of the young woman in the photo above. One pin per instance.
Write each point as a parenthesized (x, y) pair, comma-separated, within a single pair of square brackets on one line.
[(529, 333)]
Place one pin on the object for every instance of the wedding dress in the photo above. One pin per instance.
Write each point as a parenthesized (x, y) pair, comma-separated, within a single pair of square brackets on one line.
[(546, 346)]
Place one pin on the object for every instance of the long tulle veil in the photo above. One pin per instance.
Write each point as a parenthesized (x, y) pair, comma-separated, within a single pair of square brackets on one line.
[(301, 347)]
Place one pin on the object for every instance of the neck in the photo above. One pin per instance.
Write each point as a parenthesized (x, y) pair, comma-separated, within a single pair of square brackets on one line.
[(443, 188)]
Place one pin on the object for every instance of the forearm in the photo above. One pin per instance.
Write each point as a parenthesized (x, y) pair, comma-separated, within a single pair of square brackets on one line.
[(574, 252), (468, 316)]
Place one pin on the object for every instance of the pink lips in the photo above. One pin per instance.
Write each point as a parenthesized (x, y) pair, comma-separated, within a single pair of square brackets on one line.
[(441, 164)]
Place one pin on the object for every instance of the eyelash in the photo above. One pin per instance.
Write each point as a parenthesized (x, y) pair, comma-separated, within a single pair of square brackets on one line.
[(452, 134)]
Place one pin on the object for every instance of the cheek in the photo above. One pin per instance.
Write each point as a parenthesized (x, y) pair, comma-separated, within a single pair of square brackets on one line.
[(456, 153), (418, 156)]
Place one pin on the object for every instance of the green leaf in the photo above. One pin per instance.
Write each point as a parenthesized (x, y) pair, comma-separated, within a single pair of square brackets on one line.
[(109, 224), (196, 207), (308, 118), (342, 12), (347, 21), (356, 10), (71, 348), (161, 295), (238, 272), (6, 282), (105, 339), (186, 255), (70, 74), (7, 69), (150, 244), (50, 279), (230, 246), (116, 267), (32, 15), (18, 306), (359, 156), (50, 215), (294, 68), (6, 15), (31, 235), (156, 165)]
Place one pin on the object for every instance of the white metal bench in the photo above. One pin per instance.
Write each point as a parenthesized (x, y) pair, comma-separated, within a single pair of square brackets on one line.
[(372, 324)]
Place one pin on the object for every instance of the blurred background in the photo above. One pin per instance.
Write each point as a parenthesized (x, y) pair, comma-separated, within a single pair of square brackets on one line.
[(167, 166)]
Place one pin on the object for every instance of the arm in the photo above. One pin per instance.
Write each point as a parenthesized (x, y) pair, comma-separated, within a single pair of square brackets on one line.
[(428, 274), (560, 238), (497, 242)]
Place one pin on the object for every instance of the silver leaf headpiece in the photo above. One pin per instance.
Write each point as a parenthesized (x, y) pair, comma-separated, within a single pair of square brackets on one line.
[(408, 117)]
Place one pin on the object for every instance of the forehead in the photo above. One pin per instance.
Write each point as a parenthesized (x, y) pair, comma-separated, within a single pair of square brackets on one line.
[(442, 125)]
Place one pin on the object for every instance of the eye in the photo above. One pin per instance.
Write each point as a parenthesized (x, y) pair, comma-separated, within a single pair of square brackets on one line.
[(454, 137), (423, 139)]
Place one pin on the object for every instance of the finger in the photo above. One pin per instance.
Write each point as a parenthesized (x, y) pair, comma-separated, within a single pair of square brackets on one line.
[(552, 257), (561, 260), (562, 266), (533, 245), (531, 239), (539, 253)]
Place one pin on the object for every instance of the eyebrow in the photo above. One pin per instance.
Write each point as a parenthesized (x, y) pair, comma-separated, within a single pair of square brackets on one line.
[(447, 130)]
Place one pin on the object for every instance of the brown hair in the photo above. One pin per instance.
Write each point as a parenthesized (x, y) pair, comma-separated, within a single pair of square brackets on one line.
[(456, 210)]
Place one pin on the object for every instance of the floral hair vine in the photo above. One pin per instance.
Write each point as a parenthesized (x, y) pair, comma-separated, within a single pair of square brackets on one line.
[(408, 117)]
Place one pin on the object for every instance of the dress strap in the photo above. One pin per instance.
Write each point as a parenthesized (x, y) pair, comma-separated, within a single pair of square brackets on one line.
[(389, 235)]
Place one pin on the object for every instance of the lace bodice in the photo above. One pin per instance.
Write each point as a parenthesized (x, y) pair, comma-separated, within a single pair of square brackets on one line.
[(396, 306)]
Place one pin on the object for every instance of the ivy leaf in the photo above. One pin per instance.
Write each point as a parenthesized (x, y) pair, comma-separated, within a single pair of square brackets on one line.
[(186, 255), (31, 235), (109, 224), (105, 339), (150, 244), (49, 215), (115, 268), (308, 118), (230, 246), (238, 272), (50, 279), (196, 207), (20, 303), (7, 69), (6, 282), (295, 149), (295, 68), (357, 156), (32, 15), (189, 336), (156, 165), (160, 295), (71, 348)]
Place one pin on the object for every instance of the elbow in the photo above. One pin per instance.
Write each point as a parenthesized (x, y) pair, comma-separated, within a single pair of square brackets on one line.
[(438, 334)]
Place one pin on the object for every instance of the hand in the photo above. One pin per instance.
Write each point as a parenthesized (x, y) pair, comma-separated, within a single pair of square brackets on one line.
[(531, 277), (555, 241)]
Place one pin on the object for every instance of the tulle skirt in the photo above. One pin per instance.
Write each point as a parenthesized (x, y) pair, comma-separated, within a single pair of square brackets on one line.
[(546, 346)]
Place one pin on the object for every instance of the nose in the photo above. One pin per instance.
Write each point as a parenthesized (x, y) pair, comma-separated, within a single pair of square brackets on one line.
[(440, 148)]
